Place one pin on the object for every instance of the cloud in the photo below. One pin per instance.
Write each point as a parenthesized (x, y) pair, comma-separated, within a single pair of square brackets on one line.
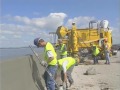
[(2, 37), (21, 30), (17, 36), (81, 21), (50, 22), (24, 29), (25, 20)]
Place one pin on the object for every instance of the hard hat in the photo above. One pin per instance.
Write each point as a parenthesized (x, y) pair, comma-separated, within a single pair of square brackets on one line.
[(36, 41)]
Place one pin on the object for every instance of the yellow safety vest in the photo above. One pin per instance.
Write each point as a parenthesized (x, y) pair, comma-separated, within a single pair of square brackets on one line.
[(71, 61), (96, 50), (61, 49), (49, 47)]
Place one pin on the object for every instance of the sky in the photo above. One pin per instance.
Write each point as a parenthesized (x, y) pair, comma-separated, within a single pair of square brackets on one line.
[(21, 21)]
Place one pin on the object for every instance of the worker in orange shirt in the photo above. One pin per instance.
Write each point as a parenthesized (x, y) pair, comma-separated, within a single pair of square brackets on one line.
[(107, 51)]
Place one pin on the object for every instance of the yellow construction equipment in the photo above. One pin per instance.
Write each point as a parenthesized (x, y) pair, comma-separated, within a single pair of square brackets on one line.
[(76, 38)]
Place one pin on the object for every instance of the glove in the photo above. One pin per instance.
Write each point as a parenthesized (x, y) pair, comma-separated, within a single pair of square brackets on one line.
[(43, 63), (64, 86)]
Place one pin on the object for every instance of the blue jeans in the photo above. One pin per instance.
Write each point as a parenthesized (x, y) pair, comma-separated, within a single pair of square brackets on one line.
[(107, 57), (49, 81)]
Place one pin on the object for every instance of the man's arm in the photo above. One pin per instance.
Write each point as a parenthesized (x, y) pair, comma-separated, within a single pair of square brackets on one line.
[(65, 70), (50, 56)]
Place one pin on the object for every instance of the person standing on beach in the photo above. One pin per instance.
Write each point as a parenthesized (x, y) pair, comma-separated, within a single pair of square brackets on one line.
[(63, 49), (50, 57), (66, 66), (95, 53), (107, 51)]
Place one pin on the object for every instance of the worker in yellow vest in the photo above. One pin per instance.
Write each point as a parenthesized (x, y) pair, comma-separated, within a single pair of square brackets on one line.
[(50, 57), (63, 49), (95, 53), (66, 66)]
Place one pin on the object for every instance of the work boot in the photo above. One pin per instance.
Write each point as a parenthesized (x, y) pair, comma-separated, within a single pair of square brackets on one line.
[(94, 63), (70, 87), (109, 63), (71, 83), (105, 62)]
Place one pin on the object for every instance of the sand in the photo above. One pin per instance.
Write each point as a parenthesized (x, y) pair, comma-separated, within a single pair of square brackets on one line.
[(25, 73), (107, 77)]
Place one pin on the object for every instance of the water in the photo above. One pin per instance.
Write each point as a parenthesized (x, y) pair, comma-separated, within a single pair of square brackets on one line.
[(7, 53)]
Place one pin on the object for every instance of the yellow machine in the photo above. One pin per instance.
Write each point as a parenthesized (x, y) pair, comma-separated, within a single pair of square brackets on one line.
[(81, 38)]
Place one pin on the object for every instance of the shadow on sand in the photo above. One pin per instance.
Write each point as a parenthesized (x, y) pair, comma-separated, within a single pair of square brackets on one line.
[(35, 73)]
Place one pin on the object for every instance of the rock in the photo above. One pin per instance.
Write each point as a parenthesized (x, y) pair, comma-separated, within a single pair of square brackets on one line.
[(90, 71)]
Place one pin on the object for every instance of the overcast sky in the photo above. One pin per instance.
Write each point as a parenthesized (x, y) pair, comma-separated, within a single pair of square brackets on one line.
[(24, 20)]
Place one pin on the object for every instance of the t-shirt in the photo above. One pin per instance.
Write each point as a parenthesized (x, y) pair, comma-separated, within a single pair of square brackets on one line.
[(64, 66), (50, 54)]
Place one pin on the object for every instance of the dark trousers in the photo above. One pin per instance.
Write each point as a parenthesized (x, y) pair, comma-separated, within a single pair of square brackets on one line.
[(95, 58)]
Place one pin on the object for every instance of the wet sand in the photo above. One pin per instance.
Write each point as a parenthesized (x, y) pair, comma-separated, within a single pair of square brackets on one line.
[(25, 73)]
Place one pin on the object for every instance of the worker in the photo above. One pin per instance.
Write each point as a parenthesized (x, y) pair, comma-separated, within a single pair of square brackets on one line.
[(50, 57), (63, 49), (66, 66), (95, 53), (107, 51)]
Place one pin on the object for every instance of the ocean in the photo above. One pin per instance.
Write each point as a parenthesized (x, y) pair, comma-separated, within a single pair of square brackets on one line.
[(8, 53)]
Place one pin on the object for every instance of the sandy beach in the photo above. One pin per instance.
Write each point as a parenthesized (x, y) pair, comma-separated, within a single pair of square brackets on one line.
[(107, 77), (25, 73)]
